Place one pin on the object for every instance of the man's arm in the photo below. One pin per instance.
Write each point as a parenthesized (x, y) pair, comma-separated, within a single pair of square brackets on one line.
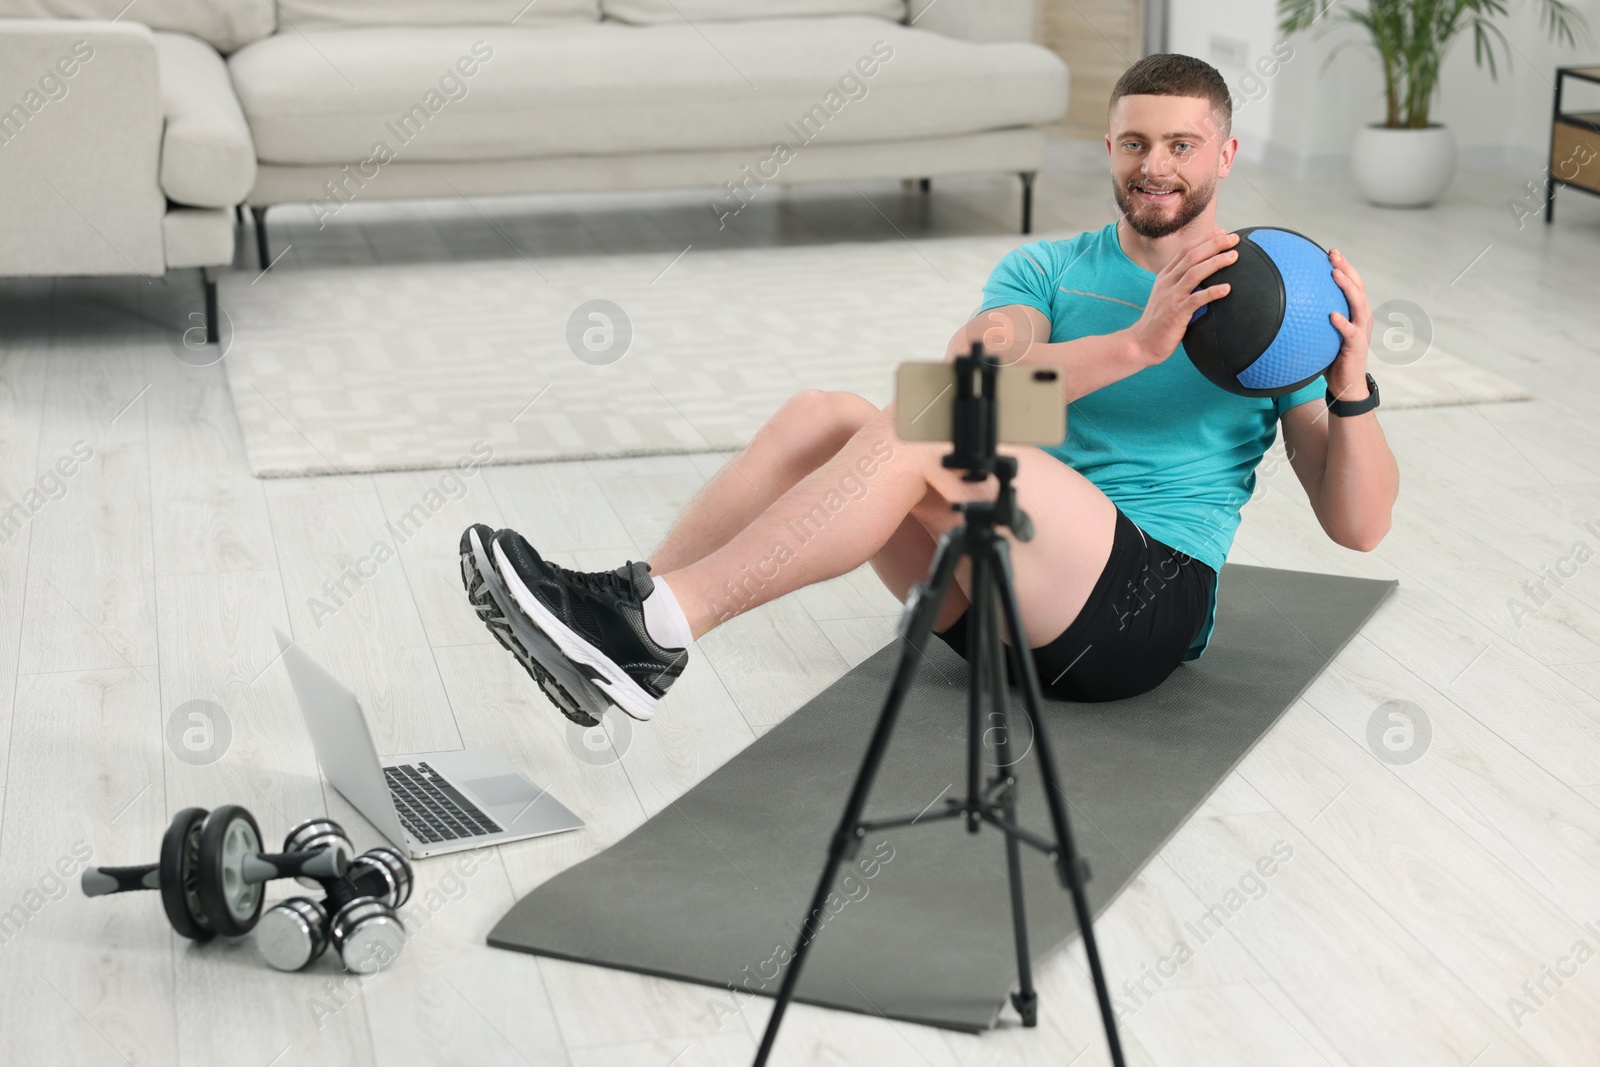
[(1343, 461), (1347, 470), (1018, 333)]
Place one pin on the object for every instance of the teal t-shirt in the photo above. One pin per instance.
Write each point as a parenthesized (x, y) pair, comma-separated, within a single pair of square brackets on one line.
[(1176, 453)]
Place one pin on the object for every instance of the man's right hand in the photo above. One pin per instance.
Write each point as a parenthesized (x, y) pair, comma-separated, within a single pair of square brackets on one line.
[(1007, 333), (1173, 299)]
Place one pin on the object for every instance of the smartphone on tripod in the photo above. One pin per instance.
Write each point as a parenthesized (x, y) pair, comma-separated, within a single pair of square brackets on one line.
[(1032, 409)]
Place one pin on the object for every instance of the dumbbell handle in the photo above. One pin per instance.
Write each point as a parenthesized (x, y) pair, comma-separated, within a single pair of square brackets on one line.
[(99, 881), (319, 864), (341, 891)]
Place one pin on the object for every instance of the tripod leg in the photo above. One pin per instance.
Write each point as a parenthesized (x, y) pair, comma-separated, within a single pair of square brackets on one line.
[(921, 610), (980, 621), (1069, 866), (1026, 999)]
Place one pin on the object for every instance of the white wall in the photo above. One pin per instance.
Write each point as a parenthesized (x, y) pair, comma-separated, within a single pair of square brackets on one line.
[(1190, 27), (1302, 121)]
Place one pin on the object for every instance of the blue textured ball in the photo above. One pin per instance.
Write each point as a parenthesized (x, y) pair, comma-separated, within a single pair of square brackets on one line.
[(1271, 334)]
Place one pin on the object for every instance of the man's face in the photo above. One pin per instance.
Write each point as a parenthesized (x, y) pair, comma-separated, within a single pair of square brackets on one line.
[(1167, 153)]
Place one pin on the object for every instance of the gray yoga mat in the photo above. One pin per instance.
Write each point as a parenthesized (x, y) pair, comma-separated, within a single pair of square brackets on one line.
[(712, 889)]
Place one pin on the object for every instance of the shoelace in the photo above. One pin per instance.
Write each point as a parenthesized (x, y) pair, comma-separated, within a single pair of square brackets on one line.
[(604, 583)]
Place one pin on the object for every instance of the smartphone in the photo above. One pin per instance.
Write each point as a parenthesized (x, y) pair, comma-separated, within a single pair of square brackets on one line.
[(1028, 397)]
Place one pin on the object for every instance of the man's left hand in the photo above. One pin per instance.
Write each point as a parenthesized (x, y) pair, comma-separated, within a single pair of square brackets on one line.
[(1347, 377)]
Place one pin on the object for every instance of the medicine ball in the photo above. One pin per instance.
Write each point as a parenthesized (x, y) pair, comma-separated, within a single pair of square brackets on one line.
[(1271, 333)]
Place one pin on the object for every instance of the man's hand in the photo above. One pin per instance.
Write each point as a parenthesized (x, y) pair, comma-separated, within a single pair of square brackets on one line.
[(1173, 299), (1006, 333), (1347, 377)]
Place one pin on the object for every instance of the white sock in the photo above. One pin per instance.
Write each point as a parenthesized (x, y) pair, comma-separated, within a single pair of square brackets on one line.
[(664, 619)]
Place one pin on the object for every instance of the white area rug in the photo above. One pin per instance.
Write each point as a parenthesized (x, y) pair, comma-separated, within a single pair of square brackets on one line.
[(420, 366)]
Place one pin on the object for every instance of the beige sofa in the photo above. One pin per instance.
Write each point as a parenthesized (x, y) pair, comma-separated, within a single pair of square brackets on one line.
[(326, 102), (121, 149)]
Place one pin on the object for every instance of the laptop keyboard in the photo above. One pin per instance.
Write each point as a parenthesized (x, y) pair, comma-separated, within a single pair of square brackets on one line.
[(432, 809)]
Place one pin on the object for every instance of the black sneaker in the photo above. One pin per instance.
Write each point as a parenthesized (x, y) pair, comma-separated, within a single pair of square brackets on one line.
[(562, 681), (596, 619)]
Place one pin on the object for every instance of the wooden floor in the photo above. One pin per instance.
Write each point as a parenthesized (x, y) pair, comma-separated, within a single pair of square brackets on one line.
[(1441, 911)]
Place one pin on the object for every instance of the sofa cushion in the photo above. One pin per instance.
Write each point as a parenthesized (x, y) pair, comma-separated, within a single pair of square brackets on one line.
[(207, 158), (651, 11), (611, 88), (332, 14), (226, 25)]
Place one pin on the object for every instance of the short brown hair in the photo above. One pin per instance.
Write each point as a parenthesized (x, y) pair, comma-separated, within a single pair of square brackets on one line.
[(1171, 74)]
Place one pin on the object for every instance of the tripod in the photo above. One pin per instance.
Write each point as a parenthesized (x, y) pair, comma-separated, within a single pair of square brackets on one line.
[(974, 436)]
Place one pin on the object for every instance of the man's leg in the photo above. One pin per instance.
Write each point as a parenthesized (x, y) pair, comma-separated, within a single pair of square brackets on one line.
[(807, 431), (628, 632), (853, 506), (803, 434)]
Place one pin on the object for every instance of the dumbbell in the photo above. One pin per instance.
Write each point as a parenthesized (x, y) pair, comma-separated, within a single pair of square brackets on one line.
[(212, 867), (296, 931)]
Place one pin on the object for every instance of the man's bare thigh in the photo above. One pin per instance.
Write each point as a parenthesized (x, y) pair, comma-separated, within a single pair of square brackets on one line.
[(1073, 526)]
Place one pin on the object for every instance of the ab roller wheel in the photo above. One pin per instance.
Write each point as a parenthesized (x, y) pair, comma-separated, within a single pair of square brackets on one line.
[(231, 903), (177, 877), (212, 869)]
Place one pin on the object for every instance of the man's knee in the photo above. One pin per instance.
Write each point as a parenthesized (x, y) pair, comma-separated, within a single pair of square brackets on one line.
[(836, 414)]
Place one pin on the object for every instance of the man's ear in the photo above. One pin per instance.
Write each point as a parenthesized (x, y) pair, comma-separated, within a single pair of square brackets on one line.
[(1230, 149)]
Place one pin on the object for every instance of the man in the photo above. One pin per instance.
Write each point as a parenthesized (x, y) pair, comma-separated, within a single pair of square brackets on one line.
[(1133, 515)]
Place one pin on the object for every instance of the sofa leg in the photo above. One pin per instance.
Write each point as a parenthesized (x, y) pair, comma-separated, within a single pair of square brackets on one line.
[(925, 184), (260, 214), (208, 276), (1027, 177)]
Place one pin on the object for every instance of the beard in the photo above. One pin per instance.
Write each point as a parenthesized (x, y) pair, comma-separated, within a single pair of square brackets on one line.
[(1158, 220)]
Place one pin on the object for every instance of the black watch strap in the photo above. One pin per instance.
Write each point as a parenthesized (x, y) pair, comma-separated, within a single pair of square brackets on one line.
[(1354, 407)]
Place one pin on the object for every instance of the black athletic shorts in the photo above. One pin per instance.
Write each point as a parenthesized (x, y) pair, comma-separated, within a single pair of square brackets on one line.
[(1145, 611)]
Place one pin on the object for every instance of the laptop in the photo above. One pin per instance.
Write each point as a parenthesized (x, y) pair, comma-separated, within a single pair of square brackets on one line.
[(430, 804)]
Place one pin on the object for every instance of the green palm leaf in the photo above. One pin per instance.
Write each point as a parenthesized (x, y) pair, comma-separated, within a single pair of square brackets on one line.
[(1412, 37)]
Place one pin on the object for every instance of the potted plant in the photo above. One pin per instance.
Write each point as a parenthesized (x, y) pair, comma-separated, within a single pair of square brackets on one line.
[(1406, 161)]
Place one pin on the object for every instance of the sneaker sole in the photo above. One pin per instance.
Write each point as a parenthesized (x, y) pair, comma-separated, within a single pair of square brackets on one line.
[(575, 696), (613, 681)]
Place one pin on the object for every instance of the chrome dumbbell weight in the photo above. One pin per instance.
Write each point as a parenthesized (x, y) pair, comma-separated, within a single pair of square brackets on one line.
[(382, 873), (363, 927), (292, 933)]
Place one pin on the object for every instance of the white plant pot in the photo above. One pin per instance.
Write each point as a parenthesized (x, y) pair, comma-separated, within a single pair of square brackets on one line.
[(1403, 168)]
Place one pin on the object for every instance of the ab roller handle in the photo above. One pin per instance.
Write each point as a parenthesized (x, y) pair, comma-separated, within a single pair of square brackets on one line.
[(100, 881), (327, 863)]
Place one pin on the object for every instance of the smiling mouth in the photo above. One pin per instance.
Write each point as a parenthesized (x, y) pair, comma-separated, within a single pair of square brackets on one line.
[(1156, 195)]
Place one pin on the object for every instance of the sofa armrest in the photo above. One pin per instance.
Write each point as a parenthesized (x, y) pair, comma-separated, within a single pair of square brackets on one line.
[(80, 133), (974, 20), (207, 156)]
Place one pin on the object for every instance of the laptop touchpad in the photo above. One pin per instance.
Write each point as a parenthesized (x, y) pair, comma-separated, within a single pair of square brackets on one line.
[(502, 789)]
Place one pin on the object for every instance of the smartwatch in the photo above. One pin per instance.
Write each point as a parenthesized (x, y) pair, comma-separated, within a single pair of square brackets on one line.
[(1354, 407)]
